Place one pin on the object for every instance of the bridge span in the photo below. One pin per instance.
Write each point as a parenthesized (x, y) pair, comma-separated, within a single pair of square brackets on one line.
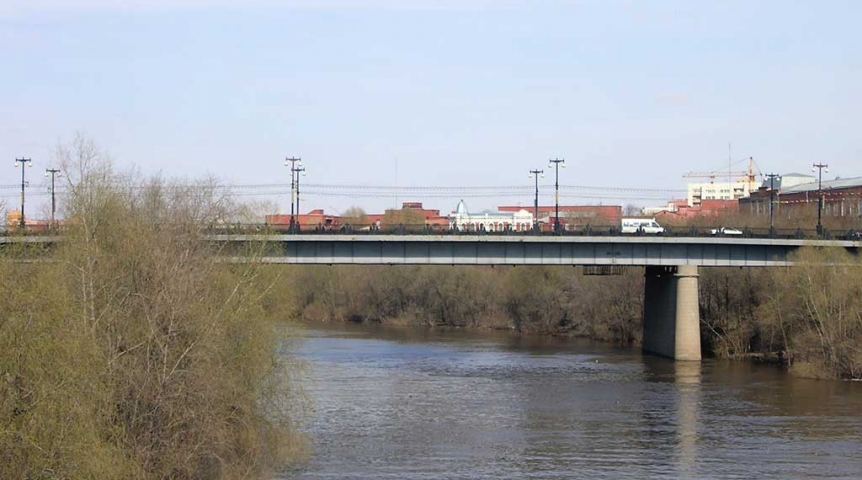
[(530, 250)]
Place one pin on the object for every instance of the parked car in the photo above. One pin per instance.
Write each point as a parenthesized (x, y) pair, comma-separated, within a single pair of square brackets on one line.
[(725, 231)]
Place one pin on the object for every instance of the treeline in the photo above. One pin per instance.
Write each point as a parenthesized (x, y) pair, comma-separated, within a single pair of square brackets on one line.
[(808, 316), (131, 352), (551, 300)]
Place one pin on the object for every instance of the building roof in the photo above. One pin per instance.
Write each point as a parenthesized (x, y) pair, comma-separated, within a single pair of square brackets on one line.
[(787, 180), (462, 208), (838, 183)]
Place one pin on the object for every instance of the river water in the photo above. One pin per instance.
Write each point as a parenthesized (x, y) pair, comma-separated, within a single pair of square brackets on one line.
[(429, 404)]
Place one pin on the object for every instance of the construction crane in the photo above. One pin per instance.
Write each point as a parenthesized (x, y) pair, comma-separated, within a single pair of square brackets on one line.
[(748, 176)]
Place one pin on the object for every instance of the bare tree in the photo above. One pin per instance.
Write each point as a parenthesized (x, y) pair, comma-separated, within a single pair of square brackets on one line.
[(137, 353), (354, 216), (632, 210)]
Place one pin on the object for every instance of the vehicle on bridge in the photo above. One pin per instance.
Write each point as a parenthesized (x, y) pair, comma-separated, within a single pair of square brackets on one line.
[(725, 231), (641, 225)]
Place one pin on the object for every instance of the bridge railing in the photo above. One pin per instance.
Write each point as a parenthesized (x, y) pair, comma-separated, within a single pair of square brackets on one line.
[(600, 230)]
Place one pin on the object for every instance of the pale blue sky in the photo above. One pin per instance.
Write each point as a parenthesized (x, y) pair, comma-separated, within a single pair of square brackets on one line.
[(631, 93)]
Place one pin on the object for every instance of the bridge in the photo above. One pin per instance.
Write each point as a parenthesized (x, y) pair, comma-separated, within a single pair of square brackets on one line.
[(671, 311), (334, 249)]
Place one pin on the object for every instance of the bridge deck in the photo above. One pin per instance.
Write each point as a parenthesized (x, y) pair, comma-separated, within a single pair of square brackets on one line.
[(531, 250), (516, 249)]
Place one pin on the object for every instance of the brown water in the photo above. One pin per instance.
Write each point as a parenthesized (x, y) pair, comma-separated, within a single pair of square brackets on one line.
[(429, 404)]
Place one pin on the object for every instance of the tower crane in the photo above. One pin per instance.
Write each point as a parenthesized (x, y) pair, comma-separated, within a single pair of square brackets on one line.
[(749, 176)]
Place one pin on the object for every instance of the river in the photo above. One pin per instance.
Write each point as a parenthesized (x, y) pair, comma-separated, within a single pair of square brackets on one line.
[(429, 404)]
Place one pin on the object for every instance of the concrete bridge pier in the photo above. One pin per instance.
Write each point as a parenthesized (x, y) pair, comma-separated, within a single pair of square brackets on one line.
[(671, 313)]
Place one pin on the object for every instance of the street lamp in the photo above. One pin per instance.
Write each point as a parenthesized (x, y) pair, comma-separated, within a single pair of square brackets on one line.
[(819, 167), (21, 162), (53, 172), (536, 174), (291, 162), (557, 163), (771, 177), (298, 171)]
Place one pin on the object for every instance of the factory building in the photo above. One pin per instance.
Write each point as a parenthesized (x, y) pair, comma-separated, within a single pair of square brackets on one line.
[(793, 195)]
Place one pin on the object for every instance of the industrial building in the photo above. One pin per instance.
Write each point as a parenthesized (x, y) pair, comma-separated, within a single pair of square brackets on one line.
[(842, 198)]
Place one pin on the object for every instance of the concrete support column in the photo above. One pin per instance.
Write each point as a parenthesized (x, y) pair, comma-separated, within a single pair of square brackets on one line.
[(671, 312)]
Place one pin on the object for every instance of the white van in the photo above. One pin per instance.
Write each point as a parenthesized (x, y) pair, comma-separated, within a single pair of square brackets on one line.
[(646, 225)]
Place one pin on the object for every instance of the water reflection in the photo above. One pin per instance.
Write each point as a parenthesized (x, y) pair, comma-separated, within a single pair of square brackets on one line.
[(687, 375), (408, 403)]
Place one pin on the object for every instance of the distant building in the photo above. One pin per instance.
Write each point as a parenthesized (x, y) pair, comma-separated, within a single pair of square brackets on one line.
[(841, 197), (573, 217), (699, 192), (789, 180), (672, 206), (411, 214), (490, 221), (13, 220), (311, 220), (679, 210)]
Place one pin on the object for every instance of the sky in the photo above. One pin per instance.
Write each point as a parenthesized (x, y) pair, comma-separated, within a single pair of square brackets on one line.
[(469, 93)]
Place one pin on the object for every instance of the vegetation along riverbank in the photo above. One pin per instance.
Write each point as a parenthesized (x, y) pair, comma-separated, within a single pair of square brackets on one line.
[(134, 353)]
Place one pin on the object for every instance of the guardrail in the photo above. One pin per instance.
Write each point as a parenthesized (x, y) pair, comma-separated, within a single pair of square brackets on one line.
[(421, 229)]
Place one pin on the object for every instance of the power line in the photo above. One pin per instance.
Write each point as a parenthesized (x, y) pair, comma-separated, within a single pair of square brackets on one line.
[(473, 195), (393, 194), (384, 188)]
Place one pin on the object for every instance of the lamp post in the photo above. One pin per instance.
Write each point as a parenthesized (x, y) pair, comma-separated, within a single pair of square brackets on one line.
[(54, 172), (298, 171), (536, 174), (21, 162), (819, 167), (771, 177), (557, 162), (291, 162)]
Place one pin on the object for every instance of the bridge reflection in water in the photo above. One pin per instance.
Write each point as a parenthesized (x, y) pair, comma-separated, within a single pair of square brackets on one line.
[(688, 377)]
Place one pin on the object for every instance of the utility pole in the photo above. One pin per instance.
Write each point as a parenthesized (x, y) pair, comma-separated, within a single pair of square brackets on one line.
[(771, 177), (291, 162), (298, 171), (22, 162), (54, 172), (556, 163), (820, 167), (536, 173)]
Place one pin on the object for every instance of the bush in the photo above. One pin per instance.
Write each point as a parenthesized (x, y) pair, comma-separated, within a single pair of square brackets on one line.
[(135, 353)]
